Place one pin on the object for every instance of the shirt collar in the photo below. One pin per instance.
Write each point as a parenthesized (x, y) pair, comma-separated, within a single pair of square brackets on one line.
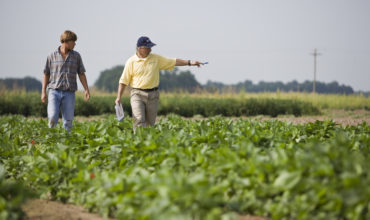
[(58, 51), (136, 58)]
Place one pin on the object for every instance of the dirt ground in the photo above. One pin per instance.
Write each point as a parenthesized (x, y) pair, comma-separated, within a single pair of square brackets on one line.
[(339, 116), (343, 117), (40, 209)]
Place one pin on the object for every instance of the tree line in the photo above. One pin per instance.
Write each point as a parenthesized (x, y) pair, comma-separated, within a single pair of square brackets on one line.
[(26, 83), (293, 86), (170, 81), (184, 81)]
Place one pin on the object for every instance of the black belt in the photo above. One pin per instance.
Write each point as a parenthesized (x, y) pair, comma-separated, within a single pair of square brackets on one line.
[(148, 90)]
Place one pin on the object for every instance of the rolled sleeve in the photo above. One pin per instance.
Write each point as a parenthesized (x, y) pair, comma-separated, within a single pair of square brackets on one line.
[(126, 74), (166, 63), (81, 67), (47, 67)]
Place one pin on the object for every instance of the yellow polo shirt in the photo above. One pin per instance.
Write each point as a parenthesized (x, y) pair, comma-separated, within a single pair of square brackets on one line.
[(143, 73)]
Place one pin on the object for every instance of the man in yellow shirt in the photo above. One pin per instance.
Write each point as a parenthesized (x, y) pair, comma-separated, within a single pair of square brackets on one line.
[(141, 72)]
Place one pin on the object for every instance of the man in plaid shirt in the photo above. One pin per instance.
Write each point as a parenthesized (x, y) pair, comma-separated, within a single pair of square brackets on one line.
[(61, 69)]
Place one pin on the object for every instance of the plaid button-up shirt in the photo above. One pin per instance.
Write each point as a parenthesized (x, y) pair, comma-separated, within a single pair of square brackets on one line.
[(63, 73)]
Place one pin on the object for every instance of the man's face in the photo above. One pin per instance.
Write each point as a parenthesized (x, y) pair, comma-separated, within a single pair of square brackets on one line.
[(70, 45), (144, 51)]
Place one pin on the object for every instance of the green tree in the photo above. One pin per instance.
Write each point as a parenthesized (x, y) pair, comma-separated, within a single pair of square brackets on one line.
[(109, 78), (26, 83), (306, 86), (176, 80)]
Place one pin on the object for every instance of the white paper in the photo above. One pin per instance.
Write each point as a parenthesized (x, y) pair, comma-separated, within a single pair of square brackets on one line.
[(119, 112)]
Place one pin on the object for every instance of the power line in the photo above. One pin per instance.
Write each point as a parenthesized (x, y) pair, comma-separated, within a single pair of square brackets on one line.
[(315, 54)]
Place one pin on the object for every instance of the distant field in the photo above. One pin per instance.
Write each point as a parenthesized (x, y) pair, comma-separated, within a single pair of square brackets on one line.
[(204, 104), (322, 101)]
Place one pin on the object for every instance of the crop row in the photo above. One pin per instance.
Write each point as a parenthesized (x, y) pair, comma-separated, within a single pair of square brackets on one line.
[(183, 169)]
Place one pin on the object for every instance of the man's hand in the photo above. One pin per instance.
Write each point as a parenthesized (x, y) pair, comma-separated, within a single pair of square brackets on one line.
[(83, 80), (121, 88), (195, 63), (118, 101), (44, 97), (180, 62), (45, 81), (87, 95)]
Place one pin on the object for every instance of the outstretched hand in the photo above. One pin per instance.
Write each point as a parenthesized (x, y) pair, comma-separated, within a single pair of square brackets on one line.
[(196, 63)]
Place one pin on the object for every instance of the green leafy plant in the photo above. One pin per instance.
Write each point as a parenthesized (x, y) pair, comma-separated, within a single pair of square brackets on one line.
[(186, 169)]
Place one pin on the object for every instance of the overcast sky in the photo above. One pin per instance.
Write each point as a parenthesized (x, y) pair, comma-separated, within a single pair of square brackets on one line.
[(257, 40)]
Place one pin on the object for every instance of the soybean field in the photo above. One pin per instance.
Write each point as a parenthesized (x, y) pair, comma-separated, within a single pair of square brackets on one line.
[(217, 168)]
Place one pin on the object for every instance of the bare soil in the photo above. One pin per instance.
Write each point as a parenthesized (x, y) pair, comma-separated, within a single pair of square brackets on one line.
[(42, 209), (341, 117)]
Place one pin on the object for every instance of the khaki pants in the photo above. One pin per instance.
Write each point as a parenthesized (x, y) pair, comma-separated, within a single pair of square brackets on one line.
[(144, 107)]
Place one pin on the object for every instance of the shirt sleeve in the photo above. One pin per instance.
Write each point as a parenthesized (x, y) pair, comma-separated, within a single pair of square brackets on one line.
[(166, 63), (126, 74), (81, 67), (47, 66)]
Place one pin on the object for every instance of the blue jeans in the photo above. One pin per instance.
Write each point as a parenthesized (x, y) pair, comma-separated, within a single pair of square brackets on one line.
[(61, 100)]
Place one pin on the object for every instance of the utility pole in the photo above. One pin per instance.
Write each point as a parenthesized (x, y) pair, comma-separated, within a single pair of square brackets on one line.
[(315, 54)]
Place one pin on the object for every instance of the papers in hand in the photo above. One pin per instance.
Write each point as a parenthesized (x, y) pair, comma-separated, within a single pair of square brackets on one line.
[(119, 112)]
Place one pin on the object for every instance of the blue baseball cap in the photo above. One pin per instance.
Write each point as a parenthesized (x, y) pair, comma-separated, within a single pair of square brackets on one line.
[(145, 41)]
